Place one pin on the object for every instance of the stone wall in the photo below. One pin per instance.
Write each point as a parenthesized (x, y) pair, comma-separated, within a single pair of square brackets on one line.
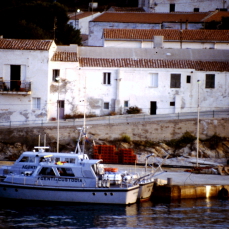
[(153, 130)]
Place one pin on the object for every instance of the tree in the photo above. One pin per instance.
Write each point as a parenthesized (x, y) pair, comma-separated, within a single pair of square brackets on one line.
[(37, 20)]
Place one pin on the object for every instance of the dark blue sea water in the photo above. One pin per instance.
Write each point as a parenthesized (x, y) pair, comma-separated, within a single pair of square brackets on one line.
[(192, 213)]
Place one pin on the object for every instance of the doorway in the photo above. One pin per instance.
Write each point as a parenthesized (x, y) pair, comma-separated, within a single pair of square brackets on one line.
[(153, 107), (60, 105), (15, 77)]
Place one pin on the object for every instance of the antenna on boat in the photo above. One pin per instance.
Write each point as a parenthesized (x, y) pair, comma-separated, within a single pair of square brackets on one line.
[(39, 139), (45, 140), (39, 147)]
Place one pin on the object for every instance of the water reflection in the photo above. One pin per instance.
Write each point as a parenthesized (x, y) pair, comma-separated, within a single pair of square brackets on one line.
[(191, 213)]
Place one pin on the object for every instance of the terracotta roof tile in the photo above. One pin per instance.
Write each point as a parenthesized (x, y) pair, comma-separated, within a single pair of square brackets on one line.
[(149, 18), (25, 44), (216, 16), (169, 34), (154, 63), (65, 56)]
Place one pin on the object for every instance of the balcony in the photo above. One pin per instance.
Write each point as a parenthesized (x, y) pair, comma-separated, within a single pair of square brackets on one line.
[(17, 87)]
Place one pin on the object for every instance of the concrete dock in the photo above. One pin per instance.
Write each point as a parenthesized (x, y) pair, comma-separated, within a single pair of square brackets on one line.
[(174, 183)]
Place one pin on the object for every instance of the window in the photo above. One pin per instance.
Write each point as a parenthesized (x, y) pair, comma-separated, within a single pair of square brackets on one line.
[(28, 159), (106, 78), (37, 103), (65, 172), (210, 81), (70, 160), (172, 7), (55, 74), (126, 104), (154, 79), (196, 9), (188, 79), (47, 171), (172, 104), (175, 81), (106, 105)]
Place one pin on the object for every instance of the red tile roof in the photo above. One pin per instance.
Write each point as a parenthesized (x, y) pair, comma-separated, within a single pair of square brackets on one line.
[(169, 34), (154, 63), (65, 56), (149, 18), (216, 16), (25, 44)]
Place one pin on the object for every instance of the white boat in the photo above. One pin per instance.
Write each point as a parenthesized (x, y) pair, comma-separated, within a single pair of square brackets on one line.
[(66, 177), (145, 187)]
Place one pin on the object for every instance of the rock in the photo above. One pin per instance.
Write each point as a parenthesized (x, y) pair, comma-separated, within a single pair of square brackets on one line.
[(160, 152), (184, 151)]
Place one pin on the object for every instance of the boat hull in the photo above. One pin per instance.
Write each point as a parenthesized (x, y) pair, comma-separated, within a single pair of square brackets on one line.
[(79, 195), (145, 191)]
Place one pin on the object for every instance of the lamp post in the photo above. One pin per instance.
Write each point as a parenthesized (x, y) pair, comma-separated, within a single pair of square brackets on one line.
[(198, 125), (58, 116)]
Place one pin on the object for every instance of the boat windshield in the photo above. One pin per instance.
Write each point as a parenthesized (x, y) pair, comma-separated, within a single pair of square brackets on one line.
[(28, 159), (47, 171), (65, 172)]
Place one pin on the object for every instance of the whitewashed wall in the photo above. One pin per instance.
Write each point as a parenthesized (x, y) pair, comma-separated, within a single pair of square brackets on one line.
[(135, 87), (182, 5), (83, 23), (35, 69), (166, 44), (96, 30)]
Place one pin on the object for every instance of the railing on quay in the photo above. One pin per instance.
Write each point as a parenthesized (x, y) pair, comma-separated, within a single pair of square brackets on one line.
[(117, 119)]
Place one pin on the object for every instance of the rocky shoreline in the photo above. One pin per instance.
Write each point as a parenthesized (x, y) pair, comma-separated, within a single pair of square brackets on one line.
[(182, 152)]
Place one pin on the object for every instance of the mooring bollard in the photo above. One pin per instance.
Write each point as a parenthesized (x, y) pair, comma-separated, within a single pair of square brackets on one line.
[(169, 181)]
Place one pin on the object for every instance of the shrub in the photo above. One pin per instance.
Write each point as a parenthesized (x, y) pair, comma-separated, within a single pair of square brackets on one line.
[(125, 138), (112, 113), (214, 141), (134, 110), (78, 115), (185, 139)]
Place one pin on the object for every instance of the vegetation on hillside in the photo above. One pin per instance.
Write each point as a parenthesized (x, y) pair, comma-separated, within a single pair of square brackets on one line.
[(46, 19), (26, 19)]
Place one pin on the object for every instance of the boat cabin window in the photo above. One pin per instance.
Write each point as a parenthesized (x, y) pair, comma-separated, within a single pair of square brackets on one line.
[(65, 172), (70, 160), (47, 159), (57, 159), (47, 171), (28, 159)]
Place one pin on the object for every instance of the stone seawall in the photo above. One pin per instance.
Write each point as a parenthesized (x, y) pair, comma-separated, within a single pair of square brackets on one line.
[(153, 130)]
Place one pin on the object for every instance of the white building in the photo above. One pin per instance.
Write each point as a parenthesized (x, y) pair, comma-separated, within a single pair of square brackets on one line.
[(25, 78), (103, 80), (183, 5), (81, 20), (166, 38), (113, 20)]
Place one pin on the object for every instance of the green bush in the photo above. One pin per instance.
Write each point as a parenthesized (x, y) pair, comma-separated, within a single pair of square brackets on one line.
[(181, 142), (79, 115), (125, 138), (134, 110)]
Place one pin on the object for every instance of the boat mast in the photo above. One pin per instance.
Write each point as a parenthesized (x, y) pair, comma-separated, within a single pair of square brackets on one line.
[(198, 125), (84, 117)]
